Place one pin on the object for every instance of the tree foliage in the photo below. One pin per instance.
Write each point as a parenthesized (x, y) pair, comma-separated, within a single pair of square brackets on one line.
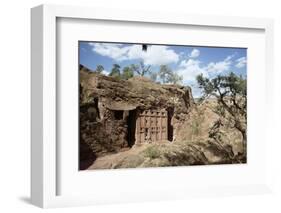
[(168, 76), (230, 92), (141, 69), (165, 73), (127, 73), (115, 71), (153, 76), (99, 69)]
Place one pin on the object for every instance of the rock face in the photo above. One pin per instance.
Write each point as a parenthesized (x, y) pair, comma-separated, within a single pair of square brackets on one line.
[(109, 108)]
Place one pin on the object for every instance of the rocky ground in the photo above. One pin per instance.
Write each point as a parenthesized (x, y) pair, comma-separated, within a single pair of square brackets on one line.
[(103, 98), (103, 132), (192, 146)]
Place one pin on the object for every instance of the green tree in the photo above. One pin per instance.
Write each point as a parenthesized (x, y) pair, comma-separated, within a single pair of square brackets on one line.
[(153, 76), (174, 78), (127, 73), (164, 72), (230, 92), (141, 69), (168, 76), (99, 69), (115, 71)]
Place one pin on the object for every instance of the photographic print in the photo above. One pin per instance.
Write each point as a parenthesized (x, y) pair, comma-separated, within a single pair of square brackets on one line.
[(156, 105)]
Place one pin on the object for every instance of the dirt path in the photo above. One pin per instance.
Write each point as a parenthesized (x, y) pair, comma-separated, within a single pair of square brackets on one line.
[(109, 161)]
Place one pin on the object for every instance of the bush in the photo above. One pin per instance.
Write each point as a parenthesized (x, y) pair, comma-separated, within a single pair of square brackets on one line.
[(152, 152)]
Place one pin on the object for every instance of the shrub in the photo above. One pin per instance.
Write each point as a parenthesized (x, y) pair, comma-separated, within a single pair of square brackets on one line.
[(152, 152)]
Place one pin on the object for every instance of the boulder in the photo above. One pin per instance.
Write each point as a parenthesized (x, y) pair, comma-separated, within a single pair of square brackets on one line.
[(106, 104)]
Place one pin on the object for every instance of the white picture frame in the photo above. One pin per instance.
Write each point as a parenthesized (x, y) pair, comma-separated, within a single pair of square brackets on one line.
[(44, 147)]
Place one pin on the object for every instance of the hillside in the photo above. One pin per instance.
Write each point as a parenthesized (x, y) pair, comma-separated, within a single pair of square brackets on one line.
[(111, 108)]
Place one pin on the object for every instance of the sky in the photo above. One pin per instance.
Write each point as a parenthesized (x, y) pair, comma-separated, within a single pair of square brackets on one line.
[(186, 61)]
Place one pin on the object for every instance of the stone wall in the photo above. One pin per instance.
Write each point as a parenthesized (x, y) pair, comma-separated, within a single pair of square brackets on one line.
[(109, 107)]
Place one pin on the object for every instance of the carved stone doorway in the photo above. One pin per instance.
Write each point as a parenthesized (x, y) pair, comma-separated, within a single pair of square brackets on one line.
[(151, 126)]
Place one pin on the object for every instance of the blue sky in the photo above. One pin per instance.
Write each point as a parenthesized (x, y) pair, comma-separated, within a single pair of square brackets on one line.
[(187, 61)]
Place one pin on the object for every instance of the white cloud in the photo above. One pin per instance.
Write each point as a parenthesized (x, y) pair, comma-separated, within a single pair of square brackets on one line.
[(114, 51), (220, 66), (194, 53), (189, 69), (155, 54), (241, 62), (105, 72), (182, 54)]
